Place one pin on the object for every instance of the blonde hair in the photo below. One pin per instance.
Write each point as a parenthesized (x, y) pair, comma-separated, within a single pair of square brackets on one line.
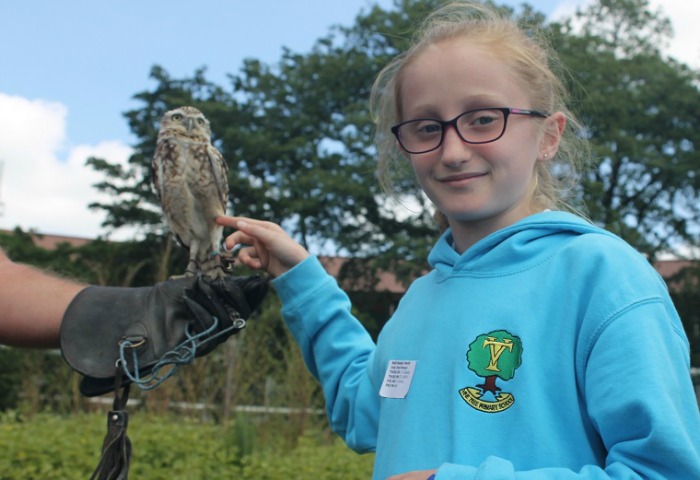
[(534, 65)]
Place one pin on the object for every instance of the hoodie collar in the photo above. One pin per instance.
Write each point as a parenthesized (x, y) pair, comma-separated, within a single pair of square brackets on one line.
[(517, 247)]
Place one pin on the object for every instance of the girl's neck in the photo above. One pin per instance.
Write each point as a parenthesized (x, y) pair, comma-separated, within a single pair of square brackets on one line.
[(467, 233)]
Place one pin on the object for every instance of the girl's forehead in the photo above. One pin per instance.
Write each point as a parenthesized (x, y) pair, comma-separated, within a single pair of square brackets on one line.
[(458, 71), (457, 56)]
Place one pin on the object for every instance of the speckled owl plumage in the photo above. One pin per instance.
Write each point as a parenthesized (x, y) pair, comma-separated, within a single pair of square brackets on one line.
[(190, 177)]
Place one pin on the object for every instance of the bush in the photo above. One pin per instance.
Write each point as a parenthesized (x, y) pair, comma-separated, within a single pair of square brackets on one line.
[(10, 378), (169, 447), (48, 446), (309, 460)]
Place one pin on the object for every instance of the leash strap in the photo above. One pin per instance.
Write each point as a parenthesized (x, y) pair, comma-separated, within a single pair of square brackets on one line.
[(116, 448), (182, 354)]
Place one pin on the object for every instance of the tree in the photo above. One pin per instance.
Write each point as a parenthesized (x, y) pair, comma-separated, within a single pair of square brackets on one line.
[(21, 247), (298, 137), (131, 187), (10, 377), (685, 287), (640, 112)]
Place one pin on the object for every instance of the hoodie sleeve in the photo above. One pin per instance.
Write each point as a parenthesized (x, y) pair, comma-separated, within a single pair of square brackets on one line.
[(337, 349)]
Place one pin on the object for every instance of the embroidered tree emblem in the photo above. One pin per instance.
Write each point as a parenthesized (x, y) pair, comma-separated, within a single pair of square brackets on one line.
[(495, 355)]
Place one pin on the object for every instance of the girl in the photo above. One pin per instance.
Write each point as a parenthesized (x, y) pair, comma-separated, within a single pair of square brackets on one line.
[(539, 346)]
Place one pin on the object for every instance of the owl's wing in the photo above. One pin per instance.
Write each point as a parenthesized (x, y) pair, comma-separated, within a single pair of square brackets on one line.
[(163, 150), (220, 170)]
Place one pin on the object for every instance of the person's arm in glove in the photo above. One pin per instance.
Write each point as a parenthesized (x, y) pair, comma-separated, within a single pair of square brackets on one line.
[(32, 304), (152, 322)]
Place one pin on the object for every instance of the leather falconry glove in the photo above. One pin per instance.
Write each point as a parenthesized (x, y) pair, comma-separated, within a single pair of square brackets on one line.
[(110, 331)]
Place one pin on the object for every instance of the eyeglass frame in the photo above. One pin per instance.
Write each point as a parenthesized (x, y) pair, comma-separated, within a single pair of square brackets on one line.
[(507, 111)]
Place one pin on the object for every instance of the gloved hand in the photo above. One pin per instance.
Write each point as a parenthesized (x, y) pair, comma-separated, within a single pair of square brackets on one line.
[(152, 321)]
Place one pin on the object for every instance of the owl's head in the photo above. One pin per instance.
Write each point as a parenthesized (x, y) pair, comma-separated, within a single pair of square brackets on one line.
[(186, 121)]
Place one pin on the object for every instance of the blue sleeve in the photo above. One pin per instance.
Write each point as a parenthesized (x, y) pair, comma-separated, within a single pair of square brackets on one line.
[(337, 349), (645, 411)]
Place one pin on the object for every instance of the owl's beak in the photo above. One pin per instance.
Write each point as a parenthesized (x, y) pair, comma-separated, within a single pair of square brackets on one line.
[(190, 124)]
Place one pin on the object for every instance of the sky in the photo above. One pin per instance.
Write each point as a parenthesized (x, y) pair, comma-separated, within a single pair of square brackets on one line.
[(69, 70)]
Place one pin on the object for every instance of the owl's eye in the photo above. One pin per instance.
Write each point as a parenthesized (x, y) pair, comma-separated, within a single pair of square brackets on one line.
[(200, 121), (177, 117)]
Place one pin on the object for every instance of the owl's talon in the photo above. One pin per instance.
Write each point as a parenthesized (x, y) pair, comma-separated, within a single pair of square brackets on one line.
[(228, 262)]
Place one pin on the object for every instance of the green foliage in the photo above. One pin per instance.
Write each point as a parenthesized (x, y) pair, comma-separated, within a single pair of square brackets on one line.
[(48, 446), (166, 447), (100, 262), (10, 377), (684, 291), (299, 141), (21, 247), (640, 111), (47, 382), (333, 462), (150, 260)]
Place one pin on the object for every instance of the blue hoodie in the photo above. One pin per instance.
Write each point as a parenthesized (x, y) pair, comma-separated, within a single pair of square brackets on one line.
[(548, 350)]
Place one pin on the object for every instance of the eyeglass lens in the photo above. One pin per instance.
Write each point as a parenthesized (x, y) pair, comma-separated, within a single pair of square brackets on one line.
[(479, 126)]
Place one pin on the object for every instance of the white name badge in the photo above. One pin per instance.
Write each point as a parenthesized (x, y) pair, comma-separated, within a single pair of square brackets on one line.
[(397, 379)]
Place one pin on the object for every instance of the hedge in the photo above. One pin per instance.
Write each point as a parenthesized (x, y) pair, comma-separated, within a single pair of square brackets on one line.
[(169, 447)]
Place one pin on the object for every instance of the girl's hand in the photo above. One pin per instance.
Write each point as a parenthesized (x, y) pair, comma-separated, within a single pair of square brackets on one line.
[(415, 475), (267, 246)]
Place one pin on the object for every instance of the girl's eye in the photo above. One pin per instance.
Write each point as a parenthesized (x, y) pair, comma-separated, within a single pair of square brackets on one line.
[(430, 128), (483, 120)]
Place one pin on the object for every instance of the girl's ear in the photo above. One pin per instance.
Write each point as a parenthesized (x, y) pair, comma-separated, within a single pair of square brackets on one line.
[(553, 130)]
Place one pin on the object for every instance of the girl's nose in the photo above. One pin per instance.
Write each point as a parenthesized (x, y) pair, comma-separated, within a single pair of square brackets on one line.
[(454, 149)]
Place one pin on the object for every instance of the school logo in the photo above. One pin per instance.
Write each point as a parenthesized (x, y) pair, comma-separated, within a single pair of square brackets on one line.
[(492, 356)]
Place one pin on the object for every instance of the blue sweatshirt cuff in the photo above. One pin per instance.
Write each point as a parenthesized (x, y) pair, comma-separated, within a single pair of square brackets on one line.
[(300, 281)]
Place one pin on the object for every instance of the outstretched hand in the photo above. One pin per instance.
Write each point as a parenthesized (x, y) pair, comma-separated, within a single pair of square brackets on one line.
[(415, 475), (265, 245)]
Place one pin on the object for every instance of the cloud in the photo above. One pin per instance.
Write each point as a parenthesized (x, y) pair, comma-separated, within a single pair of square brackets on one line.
[(567, 8), (685, 44), (45, 185)]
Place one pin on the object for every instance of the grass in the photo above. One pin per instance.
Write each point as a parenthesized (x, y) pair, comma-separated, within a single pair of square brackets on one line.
[(172, 447)]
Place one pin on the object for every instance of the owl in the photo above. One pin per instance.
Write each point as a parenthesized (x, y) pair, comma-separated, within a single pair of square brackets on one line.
[(190, 178)]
